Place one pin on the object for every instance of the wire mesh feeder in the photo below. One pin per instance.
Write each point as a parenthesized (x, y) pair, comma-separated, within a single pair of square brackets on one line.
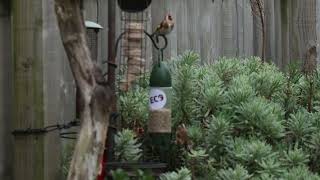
[(133, 47)]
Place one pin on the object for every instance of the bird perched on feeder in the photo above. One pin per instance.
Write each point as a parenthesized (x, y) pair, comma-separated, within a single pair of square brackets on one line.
[(165, 27)]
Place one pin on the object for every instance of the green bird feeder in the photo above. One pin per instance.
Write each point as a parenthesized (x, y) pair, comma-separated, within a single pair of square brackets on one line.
[(159, 124)]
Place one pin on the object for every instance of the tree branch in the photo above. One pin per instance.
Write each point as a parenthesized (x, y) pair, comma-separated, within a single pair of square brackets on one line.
[(94, 91)]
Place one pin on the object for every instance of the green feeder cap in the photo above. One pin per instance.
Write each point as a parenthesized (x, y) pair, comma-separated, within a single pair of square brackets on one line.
[(160, 76)]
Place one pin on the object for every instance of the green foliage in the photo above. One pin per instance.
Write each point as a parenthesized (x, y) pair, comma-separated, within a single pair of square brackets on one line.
[(134, 107), (270, 167), (299, 173), (227, 69), (238, 173), (295, 157), (181, 174), (252, 65), (261, 118), (218, 137), (127, 147), (245, 119), (268, 81), (289, 97), (184, 74), (120, 174), (314, 149), (300, 127), (213, 98), (211, 95), (253, 154), (196, 135), (240, 91), (197, 162)]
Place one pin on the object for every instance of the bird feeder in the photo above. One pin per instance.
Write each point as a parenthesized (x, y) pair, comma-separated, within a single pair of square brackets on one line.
[(92, 38), (159, 124), (92, 30), (133, 6), (159, 99)]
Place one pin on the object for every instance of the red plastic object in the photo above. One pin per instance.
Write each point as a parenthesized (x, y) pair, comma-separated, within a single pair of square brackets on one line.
[(103, 173)]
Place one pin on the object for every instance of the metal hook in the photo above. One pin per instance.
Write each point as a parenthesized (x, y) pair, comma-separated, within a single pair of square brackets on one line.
[(156, 44)]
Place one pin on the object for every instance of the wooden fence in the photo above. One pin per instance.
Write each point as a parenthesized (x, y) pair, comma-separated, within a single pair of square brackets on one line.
[(229, 28)]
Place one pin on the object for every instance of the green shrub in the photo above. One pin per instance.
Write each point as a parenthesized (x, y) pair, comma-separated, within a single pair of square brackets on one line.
[(295, 157), (299, 173), (238, 173), (181, 174), (251, 153), (300, 127), (261, 118), (127, 147), (134, 107), (218, 137), (268, 81), (245, 119), (196, 135), (184, 76)]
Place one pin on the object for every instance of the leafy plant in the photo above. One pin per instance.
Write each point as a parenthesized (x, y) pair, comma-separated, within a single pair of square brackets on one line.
[(196, 135), (299, 173), (181, 174), (240, 91), (184, 72), (227, 69), (260, 118), (314, 149), (134, 107), (295, 157), (218, 136), (300, 127), (127, 147), (120, 174), (245, 120), (238, 173), (251, 153), (271, 166), (197, 161), (268, 81)]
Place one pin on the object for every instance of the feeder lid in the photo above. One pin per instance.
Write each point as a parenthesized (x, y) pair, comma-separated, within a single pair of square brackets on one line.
[(92, 25), (132, 6), (160, 76)]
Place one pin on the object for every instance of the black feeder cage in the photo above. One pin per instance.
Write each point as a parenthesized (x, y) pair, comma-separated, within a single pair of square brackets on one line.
[(133, 5), (92, 30), (131, 68), (92, 38)]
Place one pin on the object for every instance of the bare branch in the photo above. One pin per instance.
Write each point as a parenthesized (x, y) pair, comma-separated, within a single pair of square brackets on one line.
[(257, 7), (94, 91)]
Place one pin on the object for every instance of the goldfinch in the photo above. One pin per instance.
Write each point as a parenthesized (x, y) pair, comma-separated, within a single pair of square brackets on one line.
[(165, 27)]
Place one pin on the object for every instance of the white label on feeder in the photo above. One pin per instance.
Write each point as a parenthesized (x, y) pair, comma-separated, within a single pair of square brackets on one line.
[(157, 99)]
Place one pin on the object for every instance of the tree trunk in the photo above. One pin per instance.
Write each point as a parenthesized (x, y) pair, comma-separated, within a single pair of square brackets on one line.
[(93, 88)]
